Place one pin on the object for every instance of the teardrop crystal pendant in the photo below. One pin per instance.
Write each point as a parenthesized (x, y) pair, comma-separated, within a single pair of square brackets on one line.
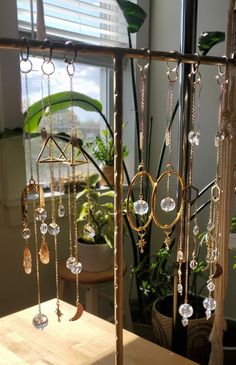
[(89, 231), (194, 138), (168, 204), (26, 233), (61, 211), (180, 289), (53, 229), (77, 268), (219, 137), (43, 228), (186, 311), (141, 207), (193, 264), (40, 214), (40, 321), (70, 262)]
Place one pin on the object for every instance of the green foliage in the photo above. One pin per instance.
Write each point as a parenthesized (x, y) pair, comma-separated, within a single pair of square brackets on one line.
[(103, 148), (233, 225), (209, 39), (58, 101), (133, 14), (100, 213)]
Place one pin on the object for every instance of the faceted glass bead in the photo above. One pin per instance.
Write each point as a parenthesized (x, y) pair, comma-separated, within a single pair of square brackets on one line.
[(141, 207), (26, 233), (70, 261), (180, 256), (53, 229), (215, 255), (209, 303), (186, 310), (184, 321), (211, 286), (193, 264), (89, 231), (219, 137), (180, 289), (61, 211), (194, 138), (40, 321), (77, 268), (210, 226), (196, 230), (40, 214), (43, 228), (168, 204), (208, 313)]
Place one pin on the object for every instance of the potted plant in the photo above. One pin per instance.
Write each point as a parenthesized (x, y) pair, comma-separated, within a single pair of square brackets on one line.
[(95, 226), (103, 151)]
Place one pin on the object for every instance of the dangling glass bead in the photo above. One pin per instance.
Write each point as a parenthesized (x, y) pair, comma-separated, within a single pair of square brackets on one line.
[(208, 313), (196, 230), (168, 204), (53, 229), (40, 214), (180, 289), (40, 321), (186, 310), (89, 231), (209, 303), (215, 255), (180, 255), (193, 264), (43, 228), (219, 137), (141, 207), (70, 261), (184, 321), (194, 138), (211, 286), (77, 268), (26, 233), (61, 211)]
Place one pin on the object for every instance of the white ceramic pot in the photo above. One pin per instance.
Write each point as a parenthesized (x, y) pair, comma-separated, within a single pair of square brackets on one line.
[(95, 257)]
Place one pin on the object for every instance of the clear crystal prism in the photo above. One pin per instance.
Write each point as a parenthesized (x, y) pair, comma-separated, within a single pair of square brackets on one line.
[(141, 207), (77, 268), (26, 233), (70, 261), (89, 231), (53, 229), (194, 138), (43, 228), (61, 211), (40, 214)]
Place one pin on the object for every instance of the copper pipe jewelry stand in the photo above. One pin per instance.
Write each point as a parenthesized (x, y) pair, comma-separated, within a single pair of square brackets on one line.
[(118, 54)]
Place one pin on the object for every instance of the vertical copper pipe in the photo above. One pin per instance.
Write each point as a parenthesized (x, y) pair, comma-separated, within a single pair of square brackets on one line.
[(118, 228)]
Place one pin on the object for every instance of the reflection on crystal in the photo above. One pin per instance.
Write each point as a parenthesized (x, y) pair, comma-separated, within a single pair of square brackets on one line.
[(210, 226), (184, 321), (209, 303), (196, 230), (168, 204), (40, 321), (180, 256), (26, 233), (211, 286), (89, 231), (208, 313), (53, 229), (186, 310), (43, 228), (141, 207), (180, 289), (61, 211), (194, 138), (40, 214), (70, 261), (219, 137), (77, 268), (193, 264)]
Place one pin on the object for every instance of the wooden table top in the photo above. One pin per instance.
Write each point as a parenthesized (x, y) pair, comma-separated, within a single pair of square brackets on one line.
[(87, 341)]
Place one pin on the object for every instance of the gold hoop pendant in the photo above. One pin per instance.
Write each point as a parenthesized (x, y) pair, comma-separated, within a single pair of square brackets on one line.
[(142, 228), (166, 227)]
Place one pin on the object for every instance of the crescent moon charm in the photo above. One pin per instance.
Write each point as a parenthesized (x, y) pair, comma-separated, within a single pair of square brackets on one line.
[(79, 312), (218, 271)]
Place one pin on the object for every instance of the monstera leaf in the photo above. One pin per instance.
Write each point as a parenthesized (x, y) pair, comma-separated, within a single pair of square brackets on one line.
[(58, 102), (133, 14), (209, 39)]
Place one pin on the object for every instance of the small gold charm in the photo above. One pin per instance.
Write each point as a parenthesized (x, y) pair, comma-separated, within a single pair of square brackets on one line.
[(79, 312)]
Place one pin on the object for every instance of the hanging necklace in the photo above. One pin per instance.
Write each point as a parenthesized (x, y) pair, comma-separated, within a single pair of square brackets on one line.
[(140, 207)]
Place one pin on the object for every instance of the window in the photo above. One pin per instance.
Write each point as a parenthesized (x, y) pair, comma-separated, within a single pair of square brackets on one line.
[(96, 22)]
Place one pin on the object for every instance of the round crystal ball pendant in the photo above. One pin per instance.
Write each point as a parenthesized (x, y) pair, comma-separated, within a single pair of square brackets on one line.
[(53, 229), (141, 207), (168, 204), (61, 211), (70, 262), (40, 321), (77, 268), (186, 311)]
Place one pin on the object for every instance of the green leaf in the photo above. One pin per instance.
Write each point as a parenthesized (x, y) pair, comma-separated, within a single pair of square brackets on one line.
[(133, 14), (108, 241), (82, 193), (108, 206), (58, 102), (109, 193), (93, 179), (209, 39), (83, 213)]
